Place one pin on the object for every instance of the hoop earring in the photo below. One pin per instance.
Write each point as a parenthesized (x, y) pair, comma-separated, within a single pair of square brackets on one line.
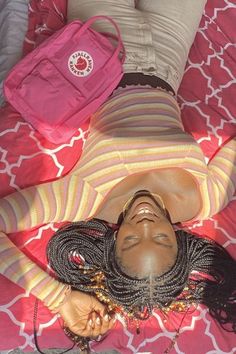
[(162, 204), (115, 235)]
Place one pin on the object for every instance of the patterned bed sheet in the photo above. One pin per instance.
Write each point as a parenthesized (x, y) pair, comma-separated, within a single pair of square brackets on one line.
[(207, 101)]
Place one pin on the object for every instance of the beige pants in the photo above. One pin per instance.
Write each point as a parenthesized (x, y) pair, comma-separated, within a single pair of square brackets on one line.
[(157, 34)]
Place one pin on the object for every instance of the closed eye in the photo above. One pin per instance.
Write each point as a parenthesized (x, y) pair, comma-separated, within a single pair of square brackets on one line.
[(161, 236), (131, 237), (130, 241)]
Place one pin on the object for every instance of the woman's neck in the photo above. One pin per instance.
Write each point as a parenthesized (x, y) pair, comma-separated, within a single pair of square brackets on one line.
[(176, 187)]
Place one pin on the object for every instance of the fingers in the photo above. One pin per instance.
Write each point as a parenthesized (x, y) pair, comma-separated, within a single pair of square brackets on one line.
[(85, 316), (102, 325), (96, 325), (107, 323), (97, 306)]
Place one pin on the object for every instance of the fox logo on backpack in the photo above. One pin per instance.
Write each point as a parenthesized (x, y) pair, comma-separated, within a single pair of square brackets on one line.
[(80, 63)]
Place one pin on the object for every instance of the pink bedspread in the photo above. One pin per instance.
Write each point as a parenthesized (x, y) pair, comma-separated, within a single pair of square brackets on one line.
[(207, 100)]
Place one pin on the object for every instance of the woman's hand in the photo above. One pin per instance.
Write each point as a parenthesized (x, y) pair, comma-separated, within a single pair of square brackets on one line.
[(85, 316)]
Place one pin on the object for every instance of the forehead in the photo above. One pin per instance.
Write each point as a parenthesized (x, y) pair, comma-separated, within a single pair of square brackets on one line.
[(144, 261)]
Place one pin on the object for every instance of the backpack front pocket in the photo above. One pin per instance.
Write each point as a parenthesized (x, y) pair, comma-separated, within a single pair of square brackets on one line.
[(47, 96)]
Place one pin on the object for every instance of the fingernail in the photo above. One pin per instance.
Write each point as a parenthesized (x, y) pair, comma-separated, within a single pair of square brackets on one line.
[(90, 322), (98, 321), (106, 317)]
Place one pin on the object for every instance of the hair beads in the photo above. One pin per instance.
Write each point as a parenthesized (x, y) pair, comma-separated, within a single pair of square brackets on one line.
[(203, 273)]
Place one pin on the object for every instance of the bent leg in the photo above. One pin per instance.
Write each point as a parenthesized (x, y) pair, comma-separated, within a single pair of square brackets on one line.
[(135, 32), (174, 24), (83, 9), (123, 12)]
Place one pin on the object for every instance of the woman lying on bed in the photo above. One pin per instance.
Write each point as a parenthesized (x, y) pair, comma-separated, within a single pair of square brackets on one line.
[(141, 173)]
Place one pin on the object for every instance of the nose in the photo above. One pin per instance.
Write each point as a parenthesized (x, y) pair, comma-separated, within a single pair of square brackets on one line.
[(145, 228)]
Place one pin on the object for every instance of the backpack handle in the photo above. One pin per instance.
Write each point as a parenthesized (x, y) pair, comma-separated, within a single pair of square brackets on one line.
[(120, 47)]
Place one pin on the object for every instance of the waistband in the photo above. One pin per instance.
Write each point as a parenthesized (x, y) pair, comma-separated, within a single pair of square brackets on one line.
[(142, 79)]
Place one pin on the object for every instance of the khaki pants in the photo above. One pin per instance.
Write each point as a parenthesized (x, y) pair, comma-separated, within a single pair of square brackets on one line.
[(157, 34)]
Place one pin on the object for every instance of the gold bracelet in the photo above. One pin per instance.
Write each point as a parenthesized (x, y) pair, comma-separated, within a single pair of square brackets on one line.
[(55, 309)]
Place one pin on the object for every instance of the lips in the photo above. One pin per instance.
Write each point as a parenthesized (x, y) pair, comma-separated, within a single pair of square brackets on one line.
[(144, 204), (143, 208)]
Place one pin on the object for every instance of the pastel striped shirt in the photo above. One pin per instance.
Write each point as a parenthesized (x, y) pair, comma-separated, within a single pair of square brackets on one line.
[(136, 130)]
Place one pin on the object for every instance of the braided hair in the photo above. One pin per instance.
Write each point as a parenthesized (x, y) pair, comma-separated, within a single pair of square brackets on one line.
[(202, 265)]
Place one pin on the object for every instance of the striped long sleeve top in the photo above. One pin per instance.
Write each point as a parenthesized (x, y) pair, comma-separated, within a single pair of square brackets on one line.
[(136, 130)]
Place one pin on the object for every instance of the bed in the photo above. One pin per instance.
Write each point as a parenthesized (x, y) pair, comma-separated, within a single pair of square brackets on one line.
[(26, 158)]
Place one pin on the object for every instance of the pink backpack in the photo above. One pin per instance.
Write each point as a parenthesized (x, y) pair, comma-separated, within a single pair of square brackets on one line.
[(63, 81)]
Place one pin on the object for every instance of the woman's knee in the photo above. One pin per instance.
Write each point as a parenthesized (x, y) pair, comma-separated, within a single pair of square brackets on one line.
[(83, 9)]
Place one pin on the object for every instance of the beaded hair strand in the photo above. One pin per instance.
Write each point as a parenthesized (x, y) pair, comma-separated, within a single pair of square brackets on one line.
[(83, 254)]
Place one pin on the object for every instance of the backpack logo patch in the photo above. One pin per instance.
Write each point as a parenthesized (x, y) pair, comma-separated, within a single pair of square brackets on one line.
[(80, 63)]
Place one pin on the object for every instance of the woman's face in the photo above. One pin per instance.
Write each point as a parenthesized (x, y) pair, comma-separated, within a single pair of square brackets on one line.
[(146, 243)]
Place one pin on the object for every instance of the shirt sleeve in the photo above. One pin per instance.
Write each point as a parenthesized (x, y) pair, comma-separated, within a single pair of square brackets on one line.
[(220, 184), (22, 271), (67, 199)]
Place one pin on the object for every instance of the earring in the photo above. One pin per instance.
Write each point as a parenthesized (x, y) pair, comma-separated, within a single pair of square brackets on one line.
[(126, 205), (115, 236), (157, 196)]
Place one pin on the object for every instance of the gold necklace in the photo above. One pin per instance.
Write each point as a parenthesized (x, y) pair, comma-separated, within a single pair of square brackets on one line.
[(177, 333)]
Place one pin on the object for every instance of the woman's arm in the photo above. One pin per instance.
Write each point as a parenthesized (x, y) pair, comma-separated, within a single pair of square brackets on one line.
[(23, 210), (82, 313), (67, 199), (220, 184), (18, 268)]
